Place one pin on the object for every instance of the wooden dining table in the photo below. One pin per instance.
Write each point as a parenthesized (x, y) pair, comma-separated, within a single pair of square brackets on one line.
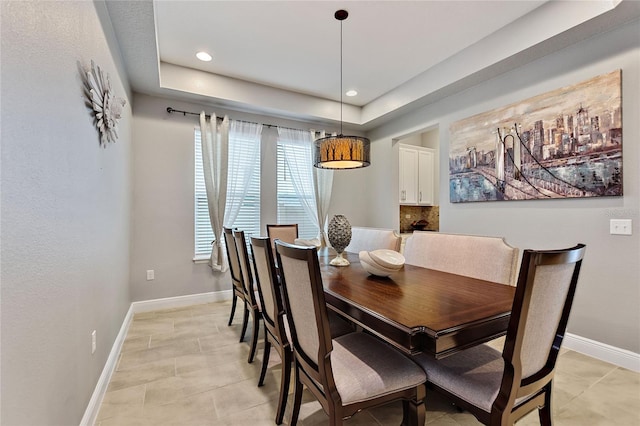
[(418, 310)]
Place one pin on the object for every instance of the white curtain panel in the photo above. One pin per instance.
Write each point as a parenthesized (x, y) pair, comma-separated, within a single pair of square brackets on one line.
[(215, 155), (245, 144), (322, 185), (294, 143)]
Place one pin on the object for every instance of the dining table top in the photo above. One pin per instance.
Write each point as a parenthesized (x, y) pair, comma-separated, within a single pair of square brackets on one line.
[(418, 310)]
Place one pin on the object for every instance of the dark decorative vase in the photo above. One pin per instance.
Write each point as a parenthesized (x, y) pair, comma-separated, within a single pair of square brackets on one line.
[(339, 237)]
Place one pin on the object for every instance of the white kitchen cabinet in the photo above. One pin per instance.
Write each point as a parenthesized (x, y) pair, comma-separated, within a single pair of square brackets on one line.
[(416, 175)]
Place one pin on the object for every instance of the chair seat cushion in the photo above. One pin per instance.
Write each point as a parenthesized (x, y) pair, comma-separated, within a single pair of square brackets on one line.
[(473, 375), (365, 368)]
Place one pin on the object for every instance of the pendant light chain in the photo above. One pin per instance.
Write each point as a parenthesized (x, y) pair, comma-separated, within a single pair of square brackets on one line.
[(341, 78)]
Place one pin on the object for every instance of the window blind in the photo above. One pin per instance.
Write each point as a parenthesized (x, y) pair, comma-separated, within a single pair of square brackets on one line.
[(248, 218), (290, 208)]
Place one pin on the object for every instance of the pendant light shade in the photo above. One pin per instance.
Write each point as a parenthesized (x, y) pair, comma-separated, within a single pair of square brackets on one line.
[(342, 152)]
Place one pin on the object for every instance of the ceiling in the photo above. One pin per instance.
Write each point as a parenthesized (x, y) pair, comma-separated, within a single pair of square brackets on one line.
[(282, 58)]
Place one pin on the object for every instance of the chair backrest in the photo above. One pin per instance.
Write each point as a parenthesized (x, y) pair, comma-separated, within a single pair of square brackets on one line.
[(541, 307), (232, 256), (372, 239), (267, 283), (304, 303), (245, 265), (486, 258), (283, 232)]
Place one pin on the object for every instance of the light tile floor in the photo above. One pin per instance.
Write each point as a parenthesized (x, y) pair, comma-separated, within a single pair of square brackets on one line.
[(186, 367)]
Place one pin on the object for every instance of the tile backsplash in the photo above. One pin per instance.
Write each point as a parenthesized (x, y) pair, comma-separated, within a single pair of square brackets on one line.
[(430, 214)]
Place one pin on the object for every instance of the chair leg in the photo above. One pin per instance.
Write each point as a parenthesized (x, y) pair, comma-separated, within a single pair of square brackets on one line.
[(284, 384), (233, 308), (256, 332), (545, 412), (335, 419), (265, 358), (297, 399), (245, 321), (413, 410)]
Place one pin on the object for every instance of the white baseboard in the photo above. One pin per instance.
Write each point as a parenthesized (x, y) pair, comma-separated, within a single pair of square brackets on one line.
[(91, 413), (602, 351), (180, 301)]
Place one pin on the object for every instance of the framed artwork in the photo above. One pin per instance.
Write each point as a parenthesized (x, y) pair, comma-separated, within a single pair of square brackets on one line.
[(566, 143)]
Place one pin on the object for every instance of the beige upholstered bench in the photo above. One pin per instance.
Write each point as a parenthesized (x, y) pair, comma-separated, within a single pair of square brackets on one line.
[(372, 239), (486, 258)]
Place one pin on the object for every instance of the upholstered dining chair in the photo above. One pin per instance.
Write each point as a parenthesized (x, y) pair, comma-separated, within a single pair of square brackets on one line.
[(236, 280), (349, 373), (500, 388), (283, 232), (373, 239), (274, 318), (251, 296), (476, 256)]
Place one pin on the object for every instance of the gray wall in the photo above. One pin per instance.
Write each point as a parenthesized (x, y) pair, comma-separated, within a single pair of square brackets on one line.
[(163, 211), (65, 212), (606, 305)]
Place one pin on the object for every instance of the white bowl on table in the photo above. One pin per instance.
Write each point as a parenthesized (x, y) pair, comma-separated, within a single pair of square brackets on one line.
[(374, 268), (390, 259)]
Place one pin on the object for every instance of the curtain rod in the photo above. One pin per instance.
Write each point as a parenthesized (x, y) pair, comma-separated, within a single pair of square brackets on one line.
[(171, 110)]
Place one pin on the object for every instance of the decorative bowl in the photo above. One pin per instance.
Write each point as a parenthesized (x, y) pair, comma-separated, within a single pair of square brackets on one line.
[(387, 258), (420, 225), (375, 270), (372, 267)]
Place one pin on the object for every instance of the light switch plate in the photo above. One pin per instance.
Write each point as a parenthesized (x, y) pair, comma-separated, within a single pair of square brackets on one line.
[(150, 274), (620, 227)]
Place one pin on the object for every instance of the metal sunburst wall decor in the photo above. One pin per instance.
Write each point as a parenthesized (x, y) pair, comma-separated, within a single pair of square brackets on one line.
[(106, 105)]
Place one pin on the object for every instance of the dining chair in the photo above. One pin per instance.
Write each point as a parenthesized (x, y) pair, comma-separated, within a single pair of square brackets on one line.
[(485, 258), (373, 239), (284, 232), (274, 318), (250, 292), (349, 373), (236, 280), (499, 388)]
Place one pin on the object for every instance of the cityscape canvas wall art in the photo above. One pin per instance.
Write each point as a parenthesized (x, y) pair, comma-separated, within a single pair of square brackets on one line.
[(566, 143)]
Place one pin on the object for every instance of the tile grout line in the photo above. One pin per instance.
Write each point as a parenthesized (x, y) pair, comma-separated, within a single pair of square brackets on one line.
[(601, 378), (575, 397)]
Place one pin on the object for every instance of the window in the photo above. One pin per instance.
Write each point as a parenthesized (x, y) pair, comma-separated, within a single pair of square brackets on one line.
[(248, 218), (296, 205), (203, 233)]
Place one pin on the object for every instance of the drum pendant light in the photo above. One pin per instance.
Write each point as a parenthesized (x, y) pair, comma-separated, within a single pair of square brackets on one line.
[(342, 152)]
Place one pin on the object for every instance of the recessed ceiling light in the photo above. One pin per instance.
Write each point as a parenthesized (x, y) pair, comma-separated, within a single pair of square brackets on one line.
[(203, 56), (351, 93)]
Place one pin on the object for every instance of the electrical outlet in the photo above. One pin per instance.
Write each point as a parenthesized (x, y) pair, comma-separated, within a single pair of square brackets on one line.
[(93, 342), (150, 275), (407, 216), (620, 227)]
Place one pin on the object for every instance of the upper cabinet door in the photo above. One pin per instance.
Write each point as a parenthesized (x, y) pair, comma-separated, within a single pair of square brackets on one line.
[(416, 175), (426, 160), (408, 175)]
